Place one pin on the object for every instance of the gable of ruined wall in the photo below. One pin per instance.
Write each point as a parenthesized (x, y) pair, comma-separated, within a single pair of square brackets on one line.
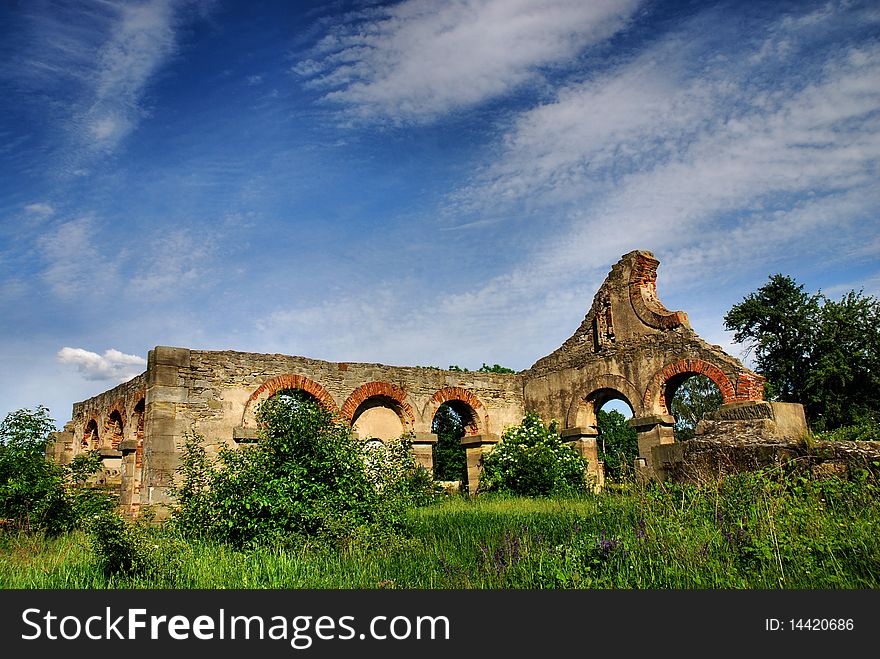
[(631, 343)]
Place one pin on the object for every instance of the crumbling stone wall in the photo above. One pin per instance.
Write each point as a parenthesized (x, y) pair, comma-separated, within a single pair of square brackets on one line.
[(628, 347)]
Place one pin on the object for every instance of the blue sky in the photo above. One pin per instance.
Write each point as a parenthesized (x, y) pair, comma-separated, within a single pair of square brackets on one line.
[(418, 183)]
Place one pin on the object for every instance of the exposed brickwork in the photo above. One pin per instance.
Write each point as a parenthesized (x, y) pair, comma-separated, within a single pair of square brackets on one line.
[(383, 389), (750, 386), (296, 382), (478, 416), (643, 295), (682, 367)]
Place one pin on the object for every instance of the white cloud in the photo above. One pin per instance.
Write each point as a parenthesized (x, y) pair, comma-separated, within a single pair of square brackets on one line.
[(40, 208), (113, 365), (417, 59), (652, 156)]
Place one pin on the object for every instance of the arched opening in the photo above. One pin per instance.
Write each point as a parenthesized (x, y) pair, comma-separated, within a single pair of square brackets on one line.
[(617, 441), (113, 428), (379, 418), (290, 400), (286, 383), (90, 436), (449, 424), (688, 397)]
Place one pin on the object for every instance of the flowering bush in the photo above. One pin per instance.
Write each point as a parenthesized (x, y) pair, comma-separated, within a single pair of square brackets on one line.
[(532, 460)]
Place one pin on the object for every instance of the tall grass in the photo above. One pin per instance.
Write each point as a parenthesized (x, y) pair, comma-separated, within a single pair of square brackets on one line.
[(751, 531)]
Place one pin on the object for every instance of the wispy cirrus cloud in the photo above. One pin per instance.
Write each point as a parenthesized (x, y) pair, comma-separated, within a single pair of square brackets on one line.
[(88, 67), (74, 264), (417, 59), (665, 154), (113, 365)]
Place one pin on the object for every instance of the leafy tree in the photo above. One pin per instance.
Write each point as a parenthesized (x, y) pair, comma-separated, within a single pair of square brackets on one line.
[(618, 443), (778, 323), (36, 494), (305, 479), (814, 350), (843, 382), (450, 459), (692, 400), (532, 460)]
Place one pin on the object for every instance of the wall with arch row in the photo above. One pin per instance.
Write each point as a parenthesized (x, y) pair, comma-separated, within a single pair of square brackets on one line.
[(629, 347)]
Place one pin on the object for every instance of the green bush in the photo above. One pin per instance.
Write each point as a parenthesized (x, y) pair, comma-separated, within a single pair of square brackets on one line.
[(532, 460), (867, 429), (306, 479), (36, 494)]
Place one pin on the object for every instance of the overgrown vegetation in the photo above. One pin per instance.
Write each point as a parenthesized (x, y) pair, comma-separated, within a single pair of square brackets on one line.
[(307, 480), (37, 495), (770, 529), (532, 460)]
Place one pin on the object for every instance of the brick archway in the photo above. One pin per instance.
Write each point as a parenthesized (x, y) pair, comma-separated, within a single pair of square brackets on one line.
[(655, 398), (280, 383), (114, 423), (380, 390), (478, 421)]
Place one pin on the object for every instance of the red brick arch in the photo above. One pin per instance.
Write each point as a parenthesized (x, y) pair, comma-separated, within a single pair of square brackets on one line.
[(287, 381), (117, 406), (380, 389), (479, 421), (654, 398)]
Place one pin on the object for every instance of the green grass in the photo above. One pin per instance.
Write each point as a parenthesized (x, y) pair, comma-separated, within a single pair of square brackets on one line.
[(751, 531)]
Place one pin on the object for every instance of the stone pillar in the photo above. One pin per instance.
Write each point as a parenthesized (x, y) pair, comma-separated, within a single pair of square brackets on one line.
[(653, 430), (583, 440), (126, 492), (476, 446), (164, 426), (423, 449)]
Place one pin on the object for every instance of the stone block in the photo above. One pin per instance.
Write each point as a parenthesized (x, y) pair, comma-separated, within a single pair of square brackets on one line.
[(742, 411), (424, 438), (790, 420), (166, 355), (652, 420), (579, 431), (241, 434), (128, 445)]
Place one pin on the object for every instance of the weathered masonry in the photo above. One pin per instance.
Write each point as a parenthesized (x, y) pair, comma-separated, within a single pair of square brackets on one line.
[(629, 347)]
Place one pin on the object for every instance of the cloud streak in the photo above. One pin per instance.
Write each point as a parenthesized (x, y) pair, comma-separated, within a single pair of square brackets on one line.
[(418, 59), (88, 67)]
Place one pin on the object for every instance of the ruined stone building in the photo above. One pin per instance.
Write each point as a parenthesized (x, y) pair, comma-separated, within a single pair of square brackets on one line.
[(629, 347)]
